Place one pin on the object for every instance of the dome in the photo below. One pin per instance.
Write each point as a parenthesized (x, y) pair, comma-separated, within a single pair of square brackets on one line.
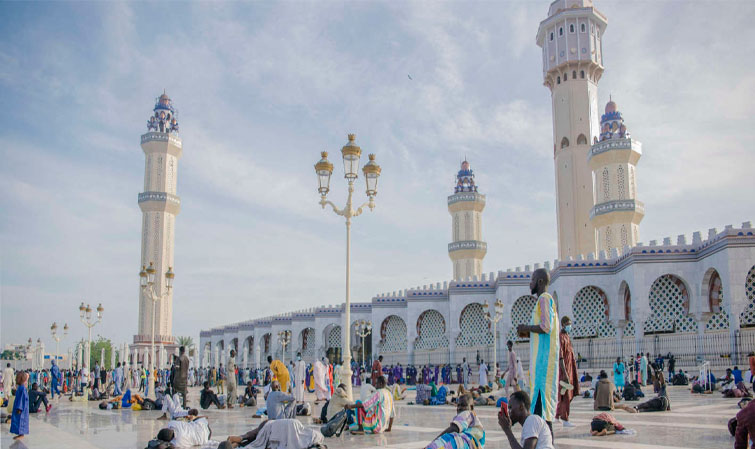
[(610, 107)]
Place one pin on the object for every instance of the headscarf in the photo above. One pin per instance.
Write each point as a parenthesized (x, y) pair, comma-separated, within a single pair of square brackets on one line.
[(281, 373)]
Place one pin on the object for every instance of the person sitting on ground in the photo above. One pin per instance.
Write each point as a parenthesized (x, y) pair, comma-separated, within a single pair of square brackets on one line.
[(37, 397), (288, 433), (465, 430), (399, 390), (172, 405), (681, 379), (535, 431), (604, 424), (279, 404), (742, 426), (208, 397), (195, 431), (366, 391), (376, 411), (250, 395), (737, 373), (605, 396), (439, 398)]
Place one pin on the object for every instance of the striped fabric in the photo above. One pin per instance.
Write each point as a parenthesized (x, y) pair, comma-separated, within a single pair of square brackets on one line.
[(544, 349)]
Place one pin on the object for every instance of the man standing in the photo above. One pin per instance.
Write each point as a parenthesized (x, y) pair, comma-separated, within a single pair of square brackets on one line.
[(543, 333), (569, 383), (232, 379), (465, 372), (300, 375), (118, 380), (182, 374), (96, 375), (8, 376), (55, 374), (221, 378), (377, 369), (644, 369), (511, 378), (483, 373)]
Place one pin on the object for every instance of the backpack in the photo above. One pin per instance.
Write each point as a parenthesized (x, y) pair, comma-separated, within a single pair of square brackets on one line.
[(335, 426)]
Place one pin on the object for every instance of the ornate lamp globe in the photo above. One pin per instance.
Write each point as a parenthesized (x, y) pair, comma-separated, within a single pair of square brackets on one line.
[(82, 310), (324, 169), (169, 275), (371, 172), (65, 329), (351, 154), (54, 328), (143, 277), (100, 309), (151, 274), (88, 311)]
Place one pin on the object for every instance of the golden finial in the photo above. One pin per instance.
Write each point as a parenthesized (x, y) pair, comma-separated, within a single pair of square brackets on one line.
[(352, 137)]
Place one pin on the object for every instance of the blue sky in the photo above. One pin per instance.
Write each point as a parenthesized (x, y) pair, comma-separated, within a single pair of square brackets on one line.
[(262, 88)]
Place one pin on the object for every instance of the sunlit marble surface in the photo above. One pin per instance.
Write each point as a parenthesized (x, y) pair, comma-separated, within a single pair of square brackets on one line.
[(694, 422)]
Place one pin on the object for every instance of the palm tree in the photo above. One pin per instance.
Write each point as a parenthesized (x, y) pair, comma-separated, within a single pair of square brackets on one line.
[(187, 342)]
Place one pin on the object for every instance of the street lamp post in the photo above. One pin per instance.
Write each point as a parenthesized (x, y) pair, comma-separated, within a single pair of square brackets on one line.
[(494, 319), (284, 338), (147, 282), (57, 338), (324, 169), (364, 328), (85, 313)]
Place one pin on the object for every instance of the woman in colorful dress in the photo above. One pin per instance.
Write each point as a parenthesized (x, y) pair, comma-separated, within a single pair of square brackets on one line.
[(618, 374), (375, 415), (464, 432)]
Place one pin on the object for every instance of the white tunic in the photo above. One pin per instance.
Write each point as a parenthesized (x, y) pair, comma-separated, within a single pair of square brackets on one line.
[(300, 376)]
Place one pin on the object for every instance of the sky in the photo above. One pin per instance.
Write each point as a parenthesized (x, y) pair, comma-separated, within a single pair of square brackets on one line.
[(262, 88)]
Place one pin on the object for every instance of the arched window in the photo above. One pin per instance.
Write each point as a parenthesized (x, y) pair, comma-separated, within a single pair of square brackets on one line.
[(571, 28), (564, 142), (582, 74), (467, 227), (623, 236), (574, 74), (558, 80), (606, 187), (620, 176), (551, 35), (581, 140), (609, 239), (561, 31), (583, 28), (632, 186), (566, 76), (456, 228)]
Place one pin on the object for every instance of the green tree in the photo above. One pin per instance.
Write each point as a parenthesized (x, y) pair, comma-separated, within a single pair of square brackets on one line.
[(188, 342), (97, 347)]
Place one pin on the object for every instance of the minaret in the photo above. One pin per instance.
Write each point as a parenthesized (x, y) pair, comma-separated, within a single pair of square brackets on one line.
[(160, 205), (572, 65), (465, 206), (617, 213)]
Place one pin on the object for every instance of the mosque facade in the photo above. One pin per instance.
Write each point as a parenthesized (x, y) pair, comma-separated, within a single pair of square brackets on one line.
[(694, 297)]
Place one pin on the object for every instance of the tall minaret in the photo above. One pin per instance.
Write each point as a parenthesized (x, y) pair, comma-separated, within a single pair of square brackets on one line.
[(617, 213), (572, 65), (160, 205), (467, 248)]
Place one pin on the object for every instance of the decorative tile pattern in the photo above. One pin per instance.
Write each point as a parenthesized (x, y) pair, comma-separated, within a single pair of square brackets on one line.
[(591, 314), (474, 327), (431, 331), (747, 317), (669, 305), (521, 313), (720, 318), (307, 342), (392, 335), (334, 337)]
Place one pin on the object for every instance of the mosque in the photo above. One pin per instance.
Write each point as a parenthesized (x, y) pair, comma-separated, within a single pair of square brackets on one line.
[(692, 297)]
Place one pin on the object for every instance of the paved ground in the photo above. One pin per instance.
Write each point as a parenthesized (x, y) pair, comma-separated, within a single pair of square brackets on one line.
[(695, 422)]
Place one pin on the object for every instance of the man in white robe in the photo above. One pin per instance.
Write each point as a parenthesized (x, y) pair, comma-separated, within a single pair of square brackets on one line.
[(483, 373), (300, 376)]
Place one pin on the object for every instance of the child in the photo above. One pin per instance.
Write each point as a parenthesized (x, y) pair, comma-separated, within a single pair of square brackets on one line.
[(19, 423)]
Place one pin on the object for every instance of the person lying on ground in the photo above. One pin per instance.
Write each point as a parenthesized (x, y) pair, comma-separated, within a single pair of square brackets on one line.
[(604, 424), (172, 406), (288, 433), (208, 397), (195, 431), (37, 397), (535, 431), (659, 403), (465, 430), (279, 404), (606, 398)]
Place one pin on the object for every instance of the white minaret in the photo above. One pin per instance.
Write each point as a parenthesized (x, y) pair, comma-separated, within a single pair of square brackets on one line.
[(617, 213), (160, 205), (466, 249), (572, 65)]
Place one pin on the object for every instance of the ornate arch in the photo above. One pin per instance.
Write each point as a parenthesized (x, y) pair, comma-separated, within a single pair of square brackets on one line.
[(591, 314), (334, 339), (431, 330), (266, 345), (747, 317), (713, 291), (392, 334), (669, 306), (626, 301), (474, 327), (521, 313), (307, 342)]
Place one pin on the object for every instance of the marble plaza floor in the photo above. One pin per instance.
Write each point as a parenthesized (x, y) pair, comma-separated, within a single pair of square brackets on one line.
[(695, 422)]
